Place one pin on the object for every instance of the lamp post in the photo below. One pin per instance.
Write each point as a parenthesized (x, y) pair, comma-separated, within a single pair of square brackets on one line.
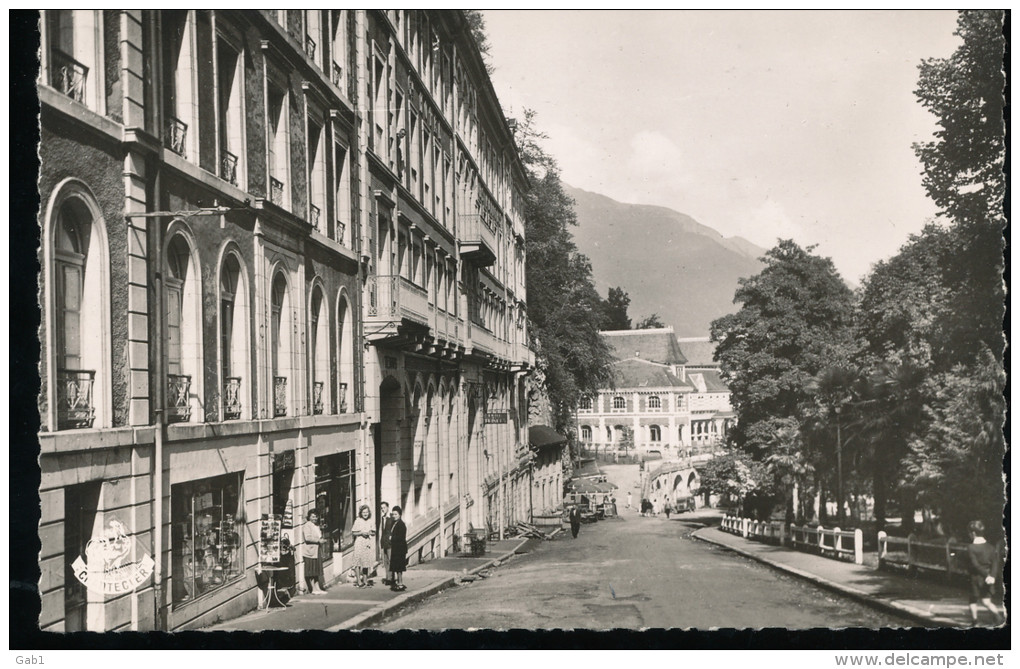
[(839, 468)]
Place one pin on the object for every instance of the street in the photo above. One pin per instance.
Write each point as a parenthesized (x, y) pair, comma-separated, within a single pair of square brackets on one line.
[(633, 573)]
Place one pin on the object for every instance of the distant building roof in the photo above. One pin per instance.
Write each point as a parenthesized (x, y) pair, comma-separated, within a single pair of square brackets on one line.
[(655, 344), (708, 381), (638, 373), (698, 351)]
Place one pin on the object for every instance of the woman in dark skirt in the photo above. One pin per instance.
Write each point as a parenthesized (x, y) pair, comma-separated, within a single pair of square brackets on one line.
[(398, 551)]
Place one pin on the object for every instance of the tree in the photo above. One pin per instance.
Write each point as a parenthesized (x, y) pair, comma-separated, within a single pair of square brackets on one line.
[(476, 24), (615, 309), (956, 467), (565, 310), (794, 320), (963, 174), (736, 476), (652, 321)]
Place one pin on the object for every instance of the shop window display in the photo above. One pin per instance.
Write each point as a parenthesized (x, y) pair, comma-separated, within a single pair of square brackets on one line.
[(207, 518), (334, 498)]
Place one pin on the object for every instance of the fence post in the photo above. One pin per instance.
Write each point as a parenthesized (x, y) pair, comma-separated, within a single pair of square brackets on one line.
[(910, 550), (837, 541), (782, 534), (883, 546), (949, 559), (744, 522), (821, 539), (858, 546)]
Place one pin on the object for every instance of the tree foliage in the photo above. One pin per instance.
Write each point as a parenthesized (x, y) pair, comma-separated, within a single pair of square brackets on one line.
[(647, 322), (565, 310), (615, 310), (476, 24), (794, 319)]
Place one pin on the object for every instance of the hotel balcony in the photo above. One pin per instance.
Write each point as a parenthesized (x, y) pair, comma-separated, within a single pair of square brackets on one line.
[(178, 398), (279, 396), (232, 398), (68, 75), (477, 240), (399, 312)]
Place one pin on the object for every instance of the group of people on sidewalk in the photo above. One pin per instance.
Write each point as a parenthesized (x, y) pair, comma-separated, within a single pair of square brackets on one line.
[(391, 532)]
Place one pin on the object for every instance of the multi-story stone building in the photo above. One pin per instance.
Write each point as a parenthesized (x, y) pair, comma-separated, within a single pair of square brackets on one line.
[(655, 403), (282, 270)]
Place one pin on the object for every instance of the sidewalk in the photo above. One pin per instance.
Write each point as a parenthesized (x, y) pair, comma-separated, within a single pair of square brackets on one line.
[(345, 607), (930, 603)]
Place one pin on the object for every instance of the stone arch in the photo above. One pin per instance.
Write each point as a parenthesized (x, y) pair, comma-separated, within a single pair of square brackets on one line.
[(183, 323), (233, 333)]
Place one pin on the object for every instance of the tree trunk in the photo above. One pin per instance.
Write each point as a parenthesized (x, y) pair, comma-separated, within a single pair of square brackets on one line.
[(879, 489)]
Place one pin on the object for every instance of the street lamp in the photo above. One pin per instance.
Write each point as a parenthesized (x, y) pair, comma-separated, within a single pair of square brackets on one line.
[(839, 468)]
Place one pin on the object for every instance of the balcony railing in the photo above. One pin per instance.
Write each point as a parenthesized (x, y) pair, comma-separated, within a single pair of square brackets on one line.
[(75, 408), (178, 398), (232, 398), (396, 297), (477, 239), (314, 214), (341, 227), (317, 406), (342, 399), (279, 396), (310, 46), (68, 75), (275, 191), (228, 167), (338, 73), (177, 136)]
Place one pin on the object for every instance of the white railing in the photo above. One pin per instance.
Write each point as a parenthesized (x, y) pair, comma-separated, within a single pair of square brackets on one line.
[(913, 554), (841, 544)]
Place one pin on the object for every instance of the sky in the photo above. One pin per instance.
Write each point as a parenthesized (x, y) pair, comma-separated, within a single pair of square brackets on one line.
[(763, 124)]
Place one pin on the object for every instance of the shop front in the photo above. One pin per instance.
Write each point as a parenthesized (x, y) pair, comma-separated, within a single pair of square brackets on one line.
[(207, 526), (335, 499)]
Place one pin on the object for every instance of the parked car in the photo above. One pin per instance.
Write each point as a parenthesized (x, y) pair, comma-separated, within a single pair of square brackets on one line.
[(681, 504)]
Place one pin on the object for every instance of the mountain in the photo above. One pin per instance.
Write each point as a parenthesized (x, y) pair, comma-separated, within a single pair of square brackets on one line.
[(667, 262)]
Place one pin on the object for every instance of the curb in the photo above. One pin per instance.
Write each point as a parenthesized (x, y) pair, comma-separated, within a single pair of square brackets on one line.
[(853, 593), (377, 613)]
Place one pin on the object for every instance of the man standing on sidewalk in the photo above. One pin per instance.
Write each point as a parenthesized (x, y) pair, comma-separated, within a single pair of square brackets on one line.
[(983, 564), (629, 498), (385, 527)]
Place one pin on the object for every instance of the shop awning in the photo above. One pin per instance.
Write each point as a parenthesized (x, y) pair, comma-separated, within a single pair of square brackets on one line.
[(541, 436)]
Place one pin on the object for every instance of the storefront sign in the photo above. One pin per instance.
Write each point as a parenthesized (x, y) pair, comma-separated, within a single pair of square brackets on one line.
[(283, 460), (495, 417), (269, 538), (106, 567)]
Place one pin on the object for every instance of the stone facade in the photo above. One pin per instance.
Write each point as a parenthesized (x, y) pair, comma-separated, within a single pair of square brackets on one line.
[(282, 270)]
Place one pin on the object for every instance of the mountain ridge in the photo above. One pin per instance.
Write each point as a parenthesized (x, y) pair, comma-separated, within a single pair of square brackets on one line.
[(667, 262)]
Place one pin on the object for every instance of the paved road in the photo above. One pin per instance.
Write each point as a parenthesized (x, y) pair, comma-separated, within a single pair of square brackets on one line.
[(634, 573)]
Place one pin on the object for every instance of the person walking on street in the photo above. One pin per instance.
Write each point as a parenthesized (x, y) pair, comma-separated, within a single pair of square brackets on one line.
[(398, 551), (385, 527), (575, 520), (311, 537), (364, 546), (629, 498), (983, 565), (665, 506)]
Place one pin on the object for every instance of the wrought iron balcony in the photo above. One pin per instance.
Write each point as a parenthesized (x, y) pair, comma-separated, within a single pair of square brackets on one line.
[(314, 214), (178, 404), (279, 396), (75, 408), (310, 46), (68, 75), (232, 398), (317, 405), (342, 399), (276, 191), (338, 73), (228, 167), (177, 136)]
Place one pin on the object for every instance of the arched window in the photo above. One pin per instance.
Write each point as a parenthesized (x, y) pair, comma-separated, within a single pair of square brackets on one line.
[(654, 433), (319, 351), (585, 433), (183, 333), (619, 403), (233, 339), (654, 403), (80, 335), (279, 352), (586, 404), (345, 353)]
